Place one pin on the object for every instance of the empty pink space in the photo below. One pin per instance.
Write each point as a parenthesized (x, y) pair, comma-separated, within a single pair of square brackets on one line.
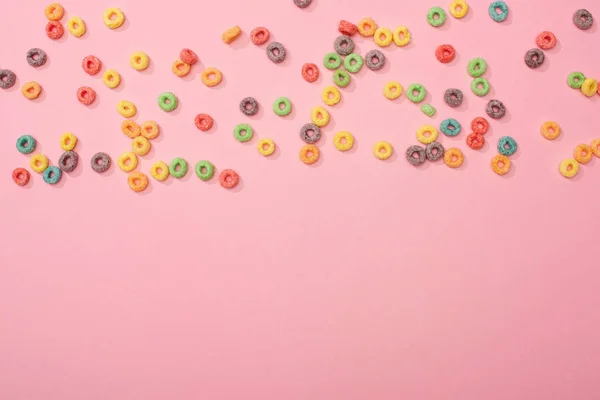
[(353, 278)]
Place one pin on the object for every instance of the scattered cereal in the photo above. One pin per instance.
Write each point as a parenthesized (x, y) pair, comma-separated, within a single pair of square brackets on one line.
[(475, 141), (331, 95), (276, 52), (477, 67), (546, 40), (382, 150), (139, 61), (203, 122), (459, 8), (480, 125), (392, 90), (249, 106), (341, 78), (68, 141), (76, 26), (205, 170), (31, 90), (211, 77), (445, 53), (178, 168), (569, 168), (111, 78), (54, 12), (453, 97), (583, 19), (126, 108), (228, 178), (180, 68), (159, 171), (427, 134), (343, 141), (140, 146), (38, 162), (113, 18), (507, 146), (320, 116), (450, 127), (383, 37), (91, 64), (310, 72), (534, 58), (498, 6), (343, 45), (495, 109), (231, 34), (436, 16), (127, 161), (420, 154), (421, 93), (589, 87), (401, 36), (137, 181), (55, 30), (130, 128), (375, 60), (353, 63), (7, 78), (52, 175), (21, 176), (266, 147), (260, 35), (243, 132), (434, 151), (188, 56), (26, 144), (36, 57), (501, 164), (167, 101), (576, 80), (332, 61), (310, 133), (428, 110), (550, 130), (302, 3), (309, 154), (68, 161), (86, 95), (480, 86), (583, 153), (367, 27), (100, 162), (453, 157), (347, 28)]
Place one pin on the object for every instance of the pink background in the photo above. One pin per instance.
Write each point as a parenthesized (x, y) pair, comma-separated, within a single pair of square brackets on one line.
[(351, 279)]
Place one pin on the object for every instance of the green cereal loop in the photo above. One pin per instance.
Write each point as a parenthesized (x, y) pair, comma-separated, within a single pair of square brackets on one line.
[(341, 78), (477, 67), (428, 110), (332, 61), (183, 167), (282, 111), (208, 167), (237, 132), (576, 80), (480, 91), (358, 63), (433, 11), (419, 88), (26, 144), (162, 101)]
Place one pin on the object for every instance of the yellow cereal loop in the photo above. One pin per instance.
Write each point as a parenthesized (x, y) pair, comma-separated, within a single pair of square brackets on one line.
[(423, 137), (54, 12), (266, 147), (343, 141), (111, 78), (320, 116), (569, 168), (113, 18), (211, 77), (128, 161), (180, 68), (38, 163), (76, 26), (149, 130), (231, 34), (382, 150), (126, 108), (139, 61), (589, 87), (331, 95), (459, 8), (159, 171), (401, 36), (392, 90), (383, 37), (367, 27), (68, 141), (140, 146)]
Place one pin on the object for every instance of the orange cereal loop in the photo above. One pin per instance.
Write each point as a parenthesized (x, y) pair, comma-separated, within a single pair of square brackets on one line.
[(595, 146), (583, 153), (550, 130), (130, 128), (231, 34), (367, 27), (501, 164), (309, 154), (180, 68), (54, 12), (150, 130), (211, 77), (31, 90), (453, 157), (137, 181)]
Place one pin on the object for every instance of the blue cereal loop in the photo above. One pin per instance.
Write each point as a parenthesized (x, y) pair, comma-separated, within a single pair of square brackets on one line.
[(502, 6), (52, 175), (447, 123), (507, 146)]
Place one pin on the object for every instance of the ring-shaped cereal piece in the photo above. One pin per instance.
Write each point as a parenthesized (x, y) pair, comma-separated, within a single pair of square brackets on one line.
[(310, 72), (243, 132), (68, 141), (68, 161), (113, 18), (91, 65), (211, 77), (21, 176), (575, 80), (583, 153), (550, 130), (459, 8), (309, 154), (383, 37), (375, 60), (276, 52), (332, 61), (507, 146), (392, 90), (127, 161), (167, 101), (259, 35), (433, 134), (76, 26), (450, 127), (367, 27), (595, 146), (139, 61), (285, 110), (450, 155), (52, 175), (38, 162), (534, 58), (343, 141), (55, 30), (434, 151), (453, 97), (495, 109), (428, 110), (320, 116), (159, 171), (150, 130), (31, 90), (436, 12), (420, 152), (111, 78), (140, 146), (331, 95), (382, 150), (353, 63), (36, 57), (310, 138), (249, 106), (546, 40), (401, 36), (126, 108), (445, 53), (205, 170), (86, 95), (100, 162), (421, 93), (347, 28), (137, 181), (583, 19), (178, 167), (229, 179), (477, 67), (188, 56), (7, 78), (341, 78), (501, 164), (569, 168), (130, 129), (54, 12), (475, 141), (589, 87), (480, 86), (480, 125), (265, 146), (498, 5), (203, 122), (231, 34), (180, 68), (343, 45), (26, 144)]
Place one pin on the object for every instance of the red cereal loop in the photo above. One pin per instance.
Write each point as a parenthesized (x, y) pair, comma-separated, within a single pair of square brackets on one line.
[(475, 141), (445, 53), (203, 122), (347, 28), (310, 72), (86, 95), (229, 178), (480, 125), (188, 56), (92, 65), (259, 35), (21, 176), (546, 40), (55, 30)]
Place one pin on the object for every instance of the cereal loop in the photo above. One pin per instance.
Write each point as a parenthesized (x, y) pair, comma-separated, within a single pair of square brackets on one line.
[(188, 56), (259, 35), (421, 93), (589, 87), (38, 163), (137, 181), (343, 141), (266, 147), (76, 26), (498, 6), (21, 176), (331, 95), (52, 175), (383, 37), (150, 130), (459, 8), (347, 28), (111, 78), (139, 61), (576, 80), (203, 122), (569, 168), (229, 179), (546, 40), (231, 34), (477, 67), (178, 167), (583, 153), (91, 65), (54, 12), (140, 146), (367, 27), (54, 30), (428, 110), (282, 106), (113, 18), (392, 90), (550, 130), (131, 129), (353, 63), (180, 68), (320, 116), (127, 161), (31, 90), (453, 157), (507, 146), (401, 36), (126, 109), (595, 146), (167, 101), (310, 72), (382, 150), (159, 171), (26, 144), (205, 170), (86, 95), (436, 16), (445, 53), (422, 134), (501, 164), (211, 77), (480, 125), (475, 141), (309, 154), (68, 141)]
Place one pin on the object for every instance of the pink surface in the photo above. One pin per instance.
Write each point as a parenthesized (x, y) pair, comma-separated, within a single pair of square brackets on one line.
[(351, 279)]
